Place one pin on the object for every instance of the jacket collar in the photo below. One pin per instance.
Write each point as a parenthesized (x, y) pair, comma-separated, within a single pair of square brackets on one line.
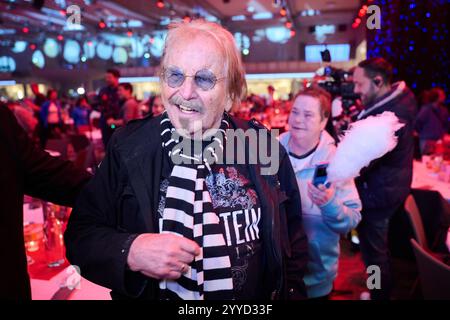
[(142, 155), (398, 88), (322, 153)]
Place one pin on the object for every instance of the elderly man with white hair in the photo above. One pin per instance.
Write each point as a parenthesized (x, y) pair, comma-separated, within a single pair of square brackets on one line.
[(166, 217)]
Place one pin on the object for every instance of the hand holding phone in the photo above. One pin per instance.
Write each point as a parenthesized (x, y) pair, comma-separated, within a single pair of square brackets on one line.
[(321, 195), (320, 175)]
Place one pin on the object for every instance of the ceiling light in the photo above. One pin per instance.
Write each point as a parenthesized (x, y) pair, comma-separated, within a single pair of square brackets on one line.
[(160, 4)]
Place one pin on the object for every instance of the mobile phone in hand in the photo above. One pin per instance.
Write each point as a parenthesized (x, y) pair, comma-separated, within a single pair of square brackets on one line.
[(320, 174)]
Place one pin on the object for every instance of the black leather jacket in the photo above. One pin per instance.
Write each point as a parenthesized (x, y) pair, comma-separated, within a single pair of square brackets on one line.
[(122, 199)]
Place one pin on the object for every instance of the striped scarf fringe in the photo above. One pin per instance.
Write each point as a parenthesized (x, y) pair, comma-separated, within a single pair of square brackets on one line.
[(189, 213)]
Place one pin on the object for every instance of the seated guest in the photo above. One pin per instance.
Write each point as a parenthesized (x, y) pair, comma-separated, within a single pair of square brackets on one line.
[(432, 121), (327, 212), (161, 222)]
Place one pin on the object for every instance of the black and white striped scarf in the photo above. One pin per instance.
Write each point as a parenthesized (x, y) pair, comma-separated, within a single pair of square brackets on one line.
[(189, 212)]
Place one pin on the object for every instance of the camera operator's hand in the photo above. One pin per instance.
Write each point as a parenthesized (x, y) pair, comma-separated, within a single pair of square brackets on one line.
[(320, 195)]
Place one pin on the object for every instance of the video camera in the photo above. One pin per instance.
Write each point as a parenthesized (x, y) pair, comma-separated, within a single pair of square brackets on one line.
[(340, 86)]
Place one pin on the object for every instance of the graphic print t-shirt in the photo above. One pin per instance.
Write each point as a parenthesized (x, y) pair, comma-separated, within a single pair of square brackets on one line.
[(236, 203)]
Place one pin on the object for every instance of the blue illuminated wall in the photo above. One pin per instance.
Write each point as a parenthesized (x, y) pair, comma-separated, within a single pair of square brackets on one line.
[(414, 38)]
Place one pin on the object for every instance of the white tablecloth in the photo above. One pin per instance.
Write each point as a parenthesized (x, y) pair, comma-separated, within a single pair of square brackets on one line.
[(44, 289), (94, 134), (424, 178)]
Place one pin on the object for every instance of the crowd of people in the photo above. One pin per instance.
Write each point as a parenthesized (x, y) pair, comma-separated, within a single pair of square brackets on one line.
[(48, 116), (160, 221)]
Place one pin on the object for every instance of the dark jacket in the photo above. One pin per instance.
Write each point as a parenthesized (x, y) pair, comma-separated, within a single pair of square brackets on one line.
[(80, 116), (122, 200), (43, 114), (108, 105), (386, 182), (26, 169), (432, 122)]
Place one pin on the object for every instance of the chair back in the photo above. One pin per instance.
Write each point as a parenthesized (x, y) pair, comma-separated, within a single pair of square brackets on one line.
[(416, 221), (434, 274)]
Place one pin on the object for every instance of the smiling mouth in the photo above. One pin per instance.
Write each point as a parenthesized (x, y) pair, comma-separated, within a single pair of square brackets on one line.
[(185, 109)]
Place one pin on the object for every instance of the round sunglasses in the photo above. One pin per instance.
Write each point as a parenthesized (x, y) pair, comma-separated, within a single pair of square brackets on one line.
[(204, 79)]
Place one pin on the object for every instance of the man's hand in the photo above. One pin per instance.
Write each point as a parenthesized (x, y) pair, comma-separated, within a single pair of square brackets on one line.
[(161, 256)]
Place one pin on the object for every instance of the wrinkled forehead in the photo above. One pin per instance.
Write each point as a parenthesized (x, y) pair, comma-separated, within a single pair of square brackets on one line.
[(201, 50)]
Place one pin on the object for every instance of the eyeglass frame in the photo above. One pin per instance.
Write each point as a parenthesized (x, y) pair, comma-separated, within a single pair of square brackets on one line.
[(216, 79)]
